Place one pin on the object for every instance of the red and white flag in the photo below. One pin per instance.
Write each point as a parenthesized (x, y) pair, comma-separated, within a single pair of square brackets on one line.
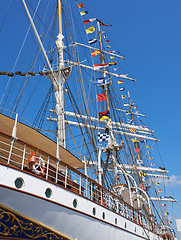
[(89, 20), (97, 66)]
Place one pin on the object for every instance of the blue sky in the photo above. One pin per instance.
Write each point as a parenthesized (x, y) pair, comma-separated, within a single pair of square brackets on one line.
[(148, 34)]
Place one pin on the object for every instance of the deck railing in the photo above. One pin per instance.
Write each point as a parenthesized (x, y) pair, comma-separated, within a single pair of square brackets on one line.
[(66, 176)]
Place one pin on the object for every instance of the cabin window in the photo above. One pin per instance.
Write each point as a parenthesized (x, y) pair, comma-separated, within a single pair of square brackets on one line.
[(135, 229), (75, 203), (19, 182), (116, 221), (125, 224), (103, 215), (94, 211), (48, 192)]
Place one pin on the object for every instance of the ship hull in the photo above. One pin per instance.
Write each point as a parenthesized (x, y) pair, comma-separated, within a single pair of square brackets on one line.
[(59, 214)]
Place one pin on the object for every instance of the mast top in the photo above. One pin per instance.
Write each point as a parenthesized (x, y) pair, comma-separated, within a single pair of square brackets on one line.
[(60, 16)]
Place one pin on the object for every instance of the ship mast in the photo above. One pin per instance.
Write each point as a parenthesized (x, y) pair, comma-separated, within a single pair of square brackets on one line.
[(58, 83), (57, 76)]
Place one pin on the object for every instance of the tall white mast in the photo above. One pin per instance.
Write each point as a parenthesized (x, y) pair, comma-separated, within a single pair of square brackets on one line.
[(58, 76)]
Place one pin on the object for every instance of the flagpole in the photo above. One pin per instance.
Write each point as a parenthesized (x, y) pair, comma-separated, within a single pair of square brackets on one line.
[(60, 16)]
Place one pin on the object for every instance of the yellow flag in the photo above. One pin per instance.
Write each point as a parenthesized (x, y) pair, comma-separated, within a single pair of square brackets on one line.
[(112, 57), (90, 30), (82, 13), (157, 183), (135, 140), (108, 46), (104, 117), (123, 96)]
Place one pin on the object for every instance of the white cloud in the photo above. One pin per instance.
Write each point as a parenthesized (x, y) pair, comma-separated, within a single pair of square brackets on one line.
[(175, 180)]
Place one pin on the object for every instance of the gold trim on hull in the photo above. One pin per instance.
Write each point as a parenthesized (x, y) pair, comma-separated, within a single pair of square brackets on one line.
[(15, 225)]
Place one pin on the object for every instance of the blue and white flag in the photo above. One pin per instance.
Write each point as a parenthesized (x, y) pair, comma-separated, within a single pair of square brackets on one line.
[(100, 81), (103, 137), (139, 161)]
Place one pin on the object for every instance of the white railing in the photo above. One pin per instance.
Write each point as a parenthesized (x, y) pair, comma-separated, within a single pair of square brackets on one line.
[(71, 179)]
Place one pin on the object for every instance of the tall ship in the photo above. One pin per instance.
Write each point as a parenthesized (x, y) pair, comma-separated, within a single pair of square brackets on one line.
[(76, 157)]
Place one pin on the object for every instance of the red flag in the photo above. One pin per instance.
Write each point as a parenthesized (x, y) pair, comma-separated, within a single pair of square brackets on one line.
[(107, 41), (152, 164), (81, 5), (137, 150), (143, 187), (101, 97), (159, 190), (164, 205)]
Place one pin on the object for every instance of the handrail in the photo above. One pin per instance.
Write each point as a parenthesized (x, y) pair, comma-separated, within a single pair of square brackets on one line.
[(74, 180)]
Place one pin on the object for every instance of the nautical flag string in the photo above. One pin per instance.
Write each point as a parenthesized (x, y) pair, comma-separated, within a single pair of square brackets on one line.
[(90, 30), (104, 115), (122, 89), (91, 41), (100, 81), (95, 53), (139, 161), (101, 97), (81, 5), (89, 20), (103, 137), (82, 13), (137, 150), (103, 24), (119, 82)]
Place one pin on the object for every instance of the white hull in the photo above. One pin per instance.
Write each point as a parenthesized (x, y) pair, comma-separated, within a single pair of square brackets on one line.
[(59, 214)]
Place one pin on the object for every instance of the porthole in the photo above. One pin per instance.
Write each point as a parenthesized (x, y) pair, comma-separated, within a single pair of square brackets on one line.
[(94, 211), (103, 215), (116, 221), (19, 182), (75, 203), (135, 229), (48, 192), (125, 224)]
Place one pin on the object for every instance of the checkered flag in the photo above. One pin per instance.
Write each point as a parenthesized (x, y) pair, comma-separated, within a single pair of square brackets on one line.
[(103, 137)]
